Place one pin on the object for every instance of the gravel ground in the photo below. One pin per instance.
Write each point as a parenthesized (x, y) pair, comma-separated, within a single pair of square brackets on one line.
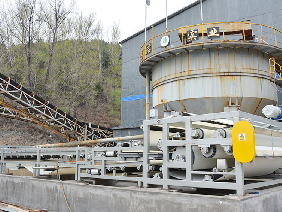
[(15, 132)]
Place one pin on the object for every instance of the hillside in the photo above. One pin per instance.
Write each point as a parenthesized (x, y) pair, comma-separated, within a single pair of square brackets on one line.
[(22, 133), (62, 56)]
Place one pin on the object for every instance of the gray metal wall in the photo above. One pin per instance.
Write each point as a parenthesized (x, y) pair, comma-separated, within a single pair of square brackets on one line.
[(268, 12)]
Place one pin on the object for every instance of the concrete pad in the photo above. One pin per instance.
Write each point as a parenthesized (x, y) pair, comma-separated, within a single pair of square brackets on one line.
[(41, 193)]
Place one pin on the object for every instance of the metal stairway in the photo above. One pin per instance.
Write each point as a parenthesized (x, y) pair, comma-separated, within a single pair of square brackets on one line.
[(16, 101)]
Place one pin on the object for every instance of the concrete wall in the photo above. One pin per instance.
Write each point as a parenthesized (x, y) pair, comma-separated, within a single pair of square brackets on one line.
[(258, 11), (48, 194)]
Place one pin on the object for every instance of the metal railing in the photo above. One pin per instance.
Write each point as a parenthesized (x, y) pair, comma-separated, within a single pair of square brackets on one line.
[(275, 70), (201, 34)]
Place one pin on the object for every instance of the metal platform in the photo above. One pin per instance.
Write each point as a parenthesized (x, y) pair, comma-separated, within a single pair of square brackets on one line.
[(230, 35)]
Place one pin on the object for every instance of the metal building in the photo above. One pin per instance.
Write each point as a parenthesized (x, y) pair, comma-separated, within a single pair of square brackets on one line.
[(133, 88)]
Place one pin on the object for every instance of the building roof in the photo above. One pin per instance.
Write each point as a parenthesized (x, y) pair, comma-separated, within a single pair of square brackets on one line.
[(162, 20)]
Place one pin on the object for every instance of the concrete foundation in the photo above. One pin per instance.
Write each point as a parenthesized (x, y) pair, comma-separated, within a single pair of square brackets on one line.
[(41, 193)]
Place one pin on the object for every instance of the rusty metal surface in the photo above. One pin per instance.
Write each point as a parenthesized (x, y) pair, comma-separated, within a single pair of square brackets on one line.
[(203, 81), (205, 75), (233, 34), (4, 111)]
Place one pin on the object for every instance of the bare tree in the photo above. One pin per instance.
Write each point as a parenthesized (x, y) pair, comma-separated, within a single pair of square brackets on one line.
[(53, 14), (84, 27), (24, 28), (115, 62), (99, 35)]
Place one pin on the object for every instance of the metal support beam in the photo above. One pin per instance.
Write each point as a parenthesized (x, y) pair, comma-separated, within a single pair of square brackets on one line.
[(146, 150), (2, 170), (239, 169), (38, 162), (147, 95), (189, 162), (165, 141), (77, 159)]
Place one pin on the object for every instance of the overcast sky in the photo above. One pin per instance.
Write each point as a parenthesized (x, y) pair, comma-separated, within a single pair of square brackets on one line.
[(129, 14)]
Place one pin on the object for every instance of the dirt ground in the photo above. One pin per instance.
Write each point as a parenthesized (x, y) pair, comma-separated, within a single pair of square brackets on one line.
[(14, 132)]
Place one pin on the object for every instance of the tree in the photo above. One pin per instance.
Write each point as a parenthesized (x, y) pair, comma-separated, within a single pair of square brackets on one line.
[(60, 54), (53, 14), (115, 70)]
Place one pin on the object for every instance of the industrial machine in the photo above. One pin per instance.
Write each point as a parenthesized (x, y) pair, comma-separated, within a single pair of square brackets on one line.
[(214, 122)]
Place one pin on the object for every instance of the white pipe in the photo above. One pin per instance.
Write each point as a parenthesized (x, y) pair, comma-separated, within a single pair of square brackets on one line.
[(202, 19), (145, 22), (166, 16)]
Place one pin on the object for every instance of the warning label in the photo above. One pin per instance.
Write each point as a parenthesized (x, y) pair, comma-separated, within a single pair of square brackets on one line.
[(242, 137)]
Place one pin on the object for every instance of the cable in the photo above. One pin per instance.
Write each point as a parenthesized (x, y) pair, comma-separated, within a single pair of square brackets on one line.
[(59, 177), (65, 196)]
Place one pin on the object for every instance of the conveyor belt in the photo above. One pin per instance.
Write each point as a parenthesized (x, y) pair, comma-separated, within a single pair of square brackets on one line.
[(18, 102), (4, 111)]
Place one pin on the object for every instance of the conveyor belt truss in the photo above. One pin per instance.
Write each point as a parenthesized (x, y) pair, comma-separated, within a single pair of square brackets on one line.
[(18, 102), (4, 111)]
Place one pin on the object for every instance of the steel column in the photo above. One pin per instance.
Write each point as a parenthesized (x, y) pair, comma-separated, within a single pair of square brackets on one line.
[(146, 129), (147, 95), (165, 141)]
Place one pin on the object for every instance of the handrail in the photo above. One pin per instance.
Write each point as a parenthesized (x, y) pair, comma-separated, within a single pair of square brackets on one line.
[(263, 34), (275, 74)]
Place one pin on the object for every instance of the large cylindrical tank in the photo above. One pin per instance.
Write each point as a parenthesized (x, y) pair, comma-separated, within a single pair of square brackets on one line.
[(207, 80)]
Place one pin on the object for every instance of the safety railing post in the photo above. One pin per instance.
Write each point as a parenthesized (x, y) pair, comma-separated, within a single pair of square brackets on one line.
[(203, 33), (223, 31), (244, 31), (275, 37), (144, 51), (261, 33), (182, 36)]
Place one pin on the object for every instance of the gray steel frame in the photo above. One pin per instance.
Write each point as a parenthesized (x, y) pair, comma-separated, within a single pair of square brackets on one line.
[(138, 155), (4, 111), (38, 153), (104, 163), (239, 186)]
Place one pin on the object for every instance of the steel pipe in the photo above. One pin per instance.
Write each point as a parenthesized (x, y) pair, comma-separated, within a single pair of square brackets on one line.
[(91, 142)]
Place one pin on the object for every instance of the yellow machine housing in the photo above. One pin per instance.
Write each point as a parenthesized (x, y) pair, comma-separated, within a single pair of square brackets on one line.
[(243, 140)]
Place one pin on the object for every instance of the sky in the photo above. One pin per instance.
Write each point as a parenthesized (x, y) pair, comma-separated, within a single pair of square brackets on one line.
[(129, 14)]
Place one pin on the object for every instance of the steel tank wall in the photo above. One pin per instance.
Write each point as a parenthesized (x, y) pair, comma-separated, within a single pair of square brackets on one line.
[(202, 81)]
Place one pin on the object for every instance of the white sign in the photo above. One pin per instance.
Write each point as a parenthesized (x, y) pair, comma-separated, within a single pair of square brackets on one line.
[(242, 137), (165, 41)]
